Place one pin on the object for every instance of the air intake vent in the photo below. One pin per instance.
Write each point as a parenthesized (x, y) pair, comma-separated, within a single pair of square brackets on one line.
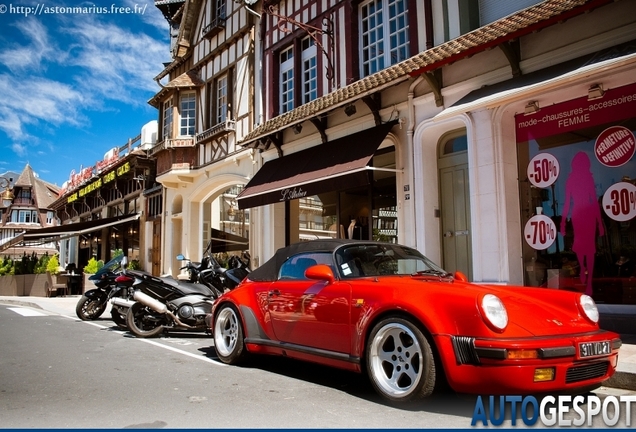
[(582, 373), (465, 350)]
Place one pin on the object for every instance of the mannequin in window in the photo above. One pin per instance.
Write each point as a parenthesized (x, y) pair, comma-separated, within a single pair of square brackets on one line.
[(351, 228)]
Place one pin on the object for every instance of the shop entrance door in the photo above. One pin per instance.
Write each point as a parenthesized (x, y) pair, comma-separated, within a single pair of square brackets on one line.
[(455, 212)]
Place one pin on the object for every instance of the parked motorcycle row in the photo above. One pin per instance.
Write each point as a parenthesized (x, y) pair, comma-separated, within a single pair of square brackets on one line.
[(148, 305)]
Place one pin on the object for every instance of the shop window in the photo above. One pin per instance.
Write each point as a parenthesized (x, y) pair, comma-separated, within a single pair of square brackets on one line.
[(458, 17), (384, 34), (454, 143), (187, 114), (578, 204), (167, 119), (24, 216), (309, 70), (287, 80), (230, 218), (221, 99), (362, 213), (154, 206)]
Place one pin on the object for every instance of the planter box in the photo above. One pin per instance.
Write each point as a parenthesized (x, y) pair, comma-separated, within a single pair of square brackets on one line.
[(23, 285)]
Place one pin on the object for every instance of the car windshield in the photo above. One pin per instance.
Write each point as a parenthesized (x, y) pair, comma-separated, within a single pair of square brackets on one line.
[(381, 259)]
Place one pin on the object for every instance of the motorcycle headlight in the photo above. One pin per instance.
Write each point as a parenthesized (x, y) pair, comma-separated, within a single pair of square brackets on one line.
[(588, 306), (494, 312)]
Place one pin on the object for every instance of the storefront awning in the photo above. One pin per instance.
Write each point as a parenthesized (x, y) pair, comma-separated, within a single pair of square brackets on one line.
[(222, 241), (62, 232), (326, 167), (519, 87)]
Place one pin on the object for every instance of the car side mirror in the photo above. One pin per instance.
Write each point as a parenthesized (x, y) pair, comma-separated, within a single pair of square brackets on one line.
[(180, 257), (320, 272), (459, 276)]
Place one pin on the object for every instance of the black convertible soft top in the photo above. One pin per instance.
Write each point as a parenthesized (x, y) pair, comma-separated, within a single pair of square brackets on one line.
[(268, 272)]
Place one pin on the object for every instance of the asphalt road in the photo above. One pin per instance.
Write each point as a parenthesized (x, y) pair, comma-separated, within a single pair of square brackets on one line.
[(60, 372)]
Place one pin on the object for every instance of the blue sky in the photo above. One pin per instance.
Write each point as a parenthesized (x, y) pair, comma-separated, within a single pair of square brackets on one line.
[(73, 86)]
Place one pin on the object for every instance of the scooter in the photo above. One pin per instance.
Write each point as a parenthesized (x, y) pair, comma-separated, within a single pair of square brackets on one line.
[(163, 304)]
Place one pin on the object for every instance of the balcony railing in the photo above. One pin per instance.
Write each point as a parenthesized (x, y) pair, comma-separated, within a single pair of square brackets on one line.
[(179, 143), (216, 130), (214, 28), (171, 143)]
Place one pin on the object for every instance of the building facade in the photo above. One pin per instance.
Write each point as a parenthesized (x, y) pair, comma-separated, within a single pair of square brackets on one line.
[(26, 205), (465, 109), (110, 206), (206, 105)]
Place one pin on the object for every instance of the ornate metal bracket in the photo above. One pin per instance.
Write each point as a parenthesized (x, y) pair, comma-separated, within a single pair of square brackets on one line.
[(312, 31)]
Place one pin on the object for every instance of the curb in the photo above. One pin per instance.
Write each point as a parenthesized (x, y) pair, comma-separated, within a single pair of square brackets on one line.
[(622, 380)]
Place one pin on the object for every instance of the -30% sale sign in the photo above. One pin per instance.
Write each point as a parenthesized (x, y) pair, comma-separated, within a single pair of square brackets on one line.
[(619, 201), (543, 170), (540, 232)]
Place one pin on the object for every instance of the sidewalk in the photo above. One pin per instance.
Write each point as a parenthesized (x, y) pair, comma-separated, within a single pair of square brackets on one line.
[(624, 378)]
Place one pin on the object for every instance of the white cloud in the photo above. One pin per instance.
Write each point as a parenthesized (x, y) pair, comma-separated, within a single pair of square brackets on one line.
[(61, 73), (18, 149), (39, 47)]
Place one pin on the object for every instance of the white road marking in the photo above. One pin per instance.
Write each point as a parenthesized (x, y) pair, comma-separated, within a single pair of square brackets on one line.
[(151, 342), (26, 312), (177, 350)]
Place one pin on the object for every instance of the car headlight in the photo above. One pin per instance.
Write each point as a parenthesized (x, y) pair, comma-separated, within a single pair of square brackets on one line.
[(588, 306), (494, 312)]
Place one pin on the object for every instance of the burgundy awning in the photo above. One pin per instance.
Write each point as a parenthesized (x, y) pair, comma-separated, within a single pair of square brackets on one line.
[(326, 167)]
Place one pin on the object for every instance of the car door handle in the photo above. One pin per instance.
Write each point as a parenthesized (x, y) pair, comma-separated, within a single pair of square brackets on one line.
[(273, 293)]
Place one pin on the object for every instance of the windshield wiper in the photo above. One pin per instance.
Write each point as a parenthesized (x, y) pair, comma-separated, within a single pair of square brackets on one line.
[(438, 273)]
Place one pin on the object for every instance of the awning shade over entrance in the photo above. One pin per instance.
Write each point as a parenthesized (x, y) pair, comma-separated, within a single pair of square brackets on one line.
[(62, 232), (323, 168), (222, 241)]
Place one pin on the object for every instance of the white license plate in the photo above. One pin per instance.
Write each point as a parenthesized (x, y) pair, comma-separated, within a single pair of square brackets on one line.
[(591, 349)]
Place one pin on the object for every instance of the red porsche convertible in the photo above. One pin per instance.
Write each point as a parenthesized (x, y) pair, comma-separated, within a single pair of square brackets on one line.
[(388, 310)]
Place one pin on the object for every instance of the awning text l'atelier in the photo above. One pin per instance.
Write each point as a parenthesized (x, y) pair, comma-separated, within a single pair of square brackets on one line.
[(105, 179)]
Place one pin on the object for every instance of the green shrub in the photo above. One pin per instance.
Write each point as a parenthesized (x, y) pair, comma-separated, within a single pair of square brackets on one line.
[(93, 266), (52, 266), (6, 266), (42, 264)]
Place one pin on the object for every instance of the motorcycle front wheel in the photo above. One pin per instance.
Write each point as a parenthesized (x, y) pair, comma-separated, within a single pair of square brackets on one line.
[(143, 322), (90, 308)]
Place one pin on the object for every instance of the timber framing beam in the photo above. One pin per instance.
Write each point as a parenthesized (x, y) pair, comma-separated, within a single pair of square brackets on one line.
[(374, 103), (512, 51), (434, 80)]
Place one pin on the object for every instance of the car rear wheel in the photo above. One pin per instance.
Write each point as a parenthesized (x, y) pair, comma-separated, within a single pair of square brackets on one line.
[(228, 335), (400, 361)]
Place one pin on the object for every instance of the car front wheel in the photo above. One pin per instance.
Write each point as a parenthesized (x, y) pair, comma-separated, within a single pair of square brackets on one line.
[(400, 361)]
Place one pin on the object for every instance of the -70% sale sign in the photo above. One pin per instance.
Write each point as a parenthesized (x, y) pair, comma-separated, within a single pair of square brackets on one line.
[(540, 232)]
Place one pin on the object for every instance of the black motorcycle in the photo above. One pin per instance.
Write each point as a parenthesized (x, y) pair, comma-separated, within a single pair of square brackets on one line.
[(164, 304), (110, 285), (238, 269), (207, 272)]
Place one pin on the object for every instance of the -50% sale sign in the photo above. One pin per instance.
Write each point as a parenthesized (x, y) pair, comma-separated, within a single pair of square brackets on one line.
[(543, 170), (619, 201), (540, 232)]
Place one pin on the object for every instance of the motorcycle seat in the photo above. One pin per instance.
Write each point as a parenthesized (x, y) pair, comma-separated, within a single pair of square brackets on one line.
[(193, 288)]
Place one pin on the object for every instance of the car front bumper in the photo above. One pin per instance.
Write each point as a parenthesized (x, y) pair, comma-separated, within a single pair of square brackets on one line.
[(520, 366)]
